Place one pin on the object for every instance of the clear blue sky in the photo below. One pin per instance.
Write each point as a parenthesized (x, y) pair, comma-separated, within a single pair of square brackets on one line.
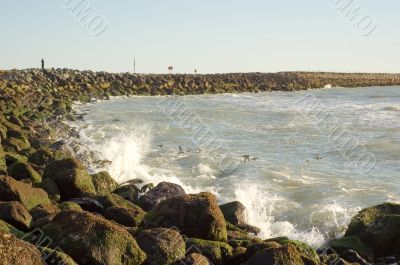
[(210, 35)]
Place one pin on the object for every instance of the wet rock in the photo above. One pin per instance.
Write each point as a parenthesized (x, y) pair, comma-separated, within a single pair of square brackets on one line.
[(15, 145), (161, 192), (90, 239), (13, 190), (130, 217), (162, 246), (195, 215), (21, 171), (193, 259), (236, 213), (379, 228), (128, 192), (353, 257), (104, 183), (44, 156), (43, 210), (216, 252), (301, 247), (15, 214), (3, 165), (71, 177), (15, 251)]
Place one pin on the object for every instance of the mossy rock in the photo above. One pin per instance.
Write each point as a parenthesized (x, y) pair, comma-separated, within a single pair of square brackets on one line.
[(56, 257), (14, 190), (104, 183), (6, 227), (12, 158), (128, 192), (69, 206), (90, 239), (162, 246), (51, 188), (16, 251), (379, 228), (43, 210), (15, 214), (13, 144), (195, 215), (216, 252), (44, 156), (302, 247), (284, 255), (130, 217), (114, 200), (21, 171), (3, 165), (193, 259), (352, 243), (71, 177)]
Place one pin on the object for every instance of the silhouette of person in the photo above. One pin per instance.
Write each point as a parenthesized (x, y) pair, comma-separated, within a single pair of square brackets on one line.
[(42, 64)]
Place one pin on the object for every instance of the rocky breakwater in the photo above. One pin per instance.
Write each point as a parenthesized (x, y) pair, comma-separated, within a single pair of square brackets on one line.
[(52, 211)]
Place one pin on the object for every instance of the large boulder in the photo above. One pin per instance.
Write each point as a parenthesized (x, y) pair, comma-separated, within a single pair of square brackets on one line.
[(130, 217), (161, 192), (379, 228), (216, 252), (128, 192), (14, 190), (114, 200), (71, 177), (104, 183), (15, 251), (43, 210), (55, 257), (90, 239), (195, 215), (15, 214), (162, 246)]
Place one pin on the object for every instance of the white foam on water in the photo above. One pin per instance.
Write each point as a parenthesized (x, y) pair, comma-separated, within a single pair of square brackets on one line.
[(261, 209)]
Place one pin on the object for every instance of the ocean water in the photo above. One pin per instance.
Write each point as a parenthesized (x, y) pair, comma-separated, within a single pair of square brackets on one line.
[(316, 157)]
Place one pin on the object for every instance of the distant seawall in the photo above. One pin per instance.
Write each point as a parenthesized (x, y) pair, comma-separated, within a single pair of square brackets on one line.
[(83, 85)]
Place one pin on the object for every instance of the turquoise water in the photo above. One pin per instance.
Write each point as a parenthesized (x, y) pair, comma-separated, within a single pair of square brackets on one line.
[(322, 155)]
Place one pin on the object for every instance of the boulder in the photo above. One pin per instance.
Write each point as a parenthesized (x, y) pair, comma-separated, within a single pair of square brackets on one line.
[(88, 204), (162, 246), (21, 171), (193, 259), (14, 144), (44, 156), (130, 217), (128, 192), (379, 228), (236, 213), (301, 247), (90, 239), (6, 227), (70, 206), (15, 251), (71, 177), (195, 215), (216, 252), (111, 200), (161, 192), (15, 214), (104, 183), (283, 255), (14, 190)]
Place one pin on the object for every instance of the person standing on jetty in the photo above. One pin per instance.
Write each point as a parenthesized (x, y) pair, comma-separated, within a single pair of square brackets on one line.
[(42, 64)]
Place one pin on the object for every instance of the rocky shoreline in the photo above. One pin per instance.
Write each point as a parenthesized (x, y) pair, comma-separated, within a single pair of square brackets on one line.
[(52, 211)]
